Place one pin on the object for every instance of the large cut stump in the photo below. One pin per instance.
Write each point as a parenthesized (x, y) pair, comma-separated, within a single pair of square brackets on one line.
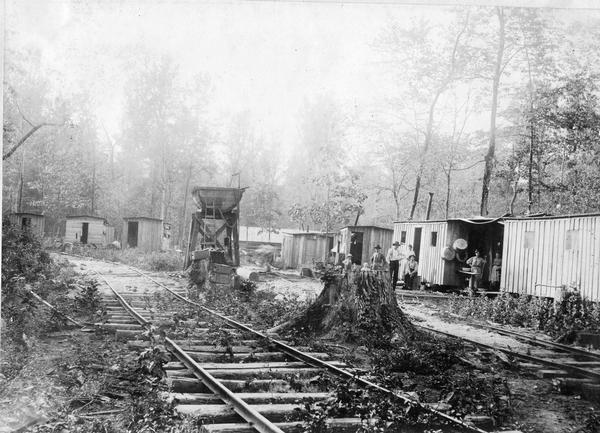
[(354, 306)]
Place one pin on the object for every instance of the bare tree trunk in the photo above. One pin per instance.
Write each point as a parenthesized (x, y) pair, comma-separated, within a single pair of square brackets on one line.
[(448, 182), (21, 176), (490, 155), (514, 196), (530, 170), (93, 178), (428, 139), (184, 210)]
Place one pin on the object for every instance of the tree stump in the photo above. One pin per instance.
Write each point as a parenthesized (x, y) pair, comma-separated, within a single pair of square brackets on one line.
[(358, 306)]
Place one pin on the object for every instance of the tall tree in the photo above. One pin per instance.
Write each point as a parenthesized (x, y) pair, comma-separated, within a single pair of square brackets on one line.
[(431, 59)]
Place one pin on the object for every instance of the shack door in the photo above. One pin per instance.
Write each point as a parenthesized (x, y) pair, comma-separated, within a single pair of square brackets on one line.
[(417, 242), (84, 232), (132, 234), (25, 223), (356, 247)]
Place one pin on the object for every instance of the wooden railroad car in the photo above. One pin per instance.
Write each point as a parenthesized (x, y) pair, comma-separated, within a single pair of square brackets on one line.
[(430, 240), (543, 256)]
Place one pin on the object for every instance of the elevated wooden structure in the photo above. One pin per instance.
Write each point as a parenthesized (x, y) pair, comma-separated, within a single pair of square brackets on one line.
[(215, 225)]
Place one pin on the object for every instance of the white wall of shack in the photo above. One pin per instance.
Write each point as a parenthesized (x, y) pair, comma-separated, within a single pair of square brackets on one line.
[(542, 263), (96, 231), (431, 264)]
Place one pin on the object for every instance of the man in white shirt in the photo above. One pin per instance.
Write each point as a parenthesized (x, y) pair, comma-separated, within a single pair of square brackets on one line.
[(393, 257)]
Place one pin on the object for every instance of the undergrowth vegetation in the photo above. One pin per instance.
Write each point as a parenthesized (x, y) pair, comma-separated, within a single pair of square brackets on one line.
[(570, 314), (262, 308), (26, 268), (167, 261)]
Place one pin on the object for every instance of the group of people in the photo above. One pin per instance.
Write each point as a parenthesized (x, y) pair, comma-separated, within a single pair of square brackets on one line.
[(402, 262), (477, 263)]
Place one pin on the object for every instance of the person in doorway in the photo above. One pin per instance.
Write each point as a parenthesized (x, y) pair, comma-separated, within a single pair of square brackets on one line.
[(476, 263), (496, 269), (377, 260), (409, 271), (394, 257)]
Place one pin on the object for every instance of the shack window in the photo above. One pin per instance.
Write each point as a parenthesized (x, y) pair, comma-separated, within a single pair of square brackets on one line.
[(403, 236), (572, 240), (529, 240), (433, 239)]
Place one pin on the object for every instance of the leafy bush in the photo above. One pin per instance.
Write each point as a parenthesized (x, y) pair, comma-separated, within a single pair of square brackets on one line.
[(572, 313), (25, 267), (263, 308)]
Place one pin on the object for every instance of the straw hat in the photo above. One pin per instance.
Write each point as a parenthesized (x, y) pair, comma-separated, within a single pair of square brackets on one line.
[(460, 244), (448, 254)]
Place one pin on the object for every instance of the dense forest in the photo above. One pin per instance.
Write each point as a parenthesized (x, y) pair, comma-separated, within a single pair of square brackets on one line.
[(493, 110)]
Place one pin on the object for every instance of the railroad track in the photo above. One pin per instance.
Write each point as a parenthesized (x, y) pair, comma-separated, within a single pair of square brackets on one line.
[(578, 370), (256, 383)]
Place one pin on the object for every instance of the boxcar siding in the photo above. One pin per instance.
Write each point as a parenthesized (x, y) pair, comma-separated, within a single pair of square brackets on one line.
[(150, 233), (96, 231), (303, 250), (372, 236), (543, 269), (431, 264)]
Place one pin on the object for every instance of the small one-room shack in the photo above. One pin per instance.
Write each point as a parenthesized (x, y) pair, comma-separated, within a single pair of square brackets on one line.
[(88, 229), (252, 238), (145, 233), (28, 221), (543, 255), (360, 241), (436, 248), (305, 249)]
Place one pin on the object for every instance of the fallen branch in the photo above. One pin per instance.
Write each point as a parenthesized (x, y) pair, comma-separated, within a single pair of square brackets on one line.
[(36, 296)]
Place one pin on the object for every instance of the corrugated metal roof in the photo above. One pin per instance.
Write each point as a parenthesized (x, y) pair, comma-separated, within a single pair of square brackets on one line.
[(552, 217), (86, 216), (368, 227)]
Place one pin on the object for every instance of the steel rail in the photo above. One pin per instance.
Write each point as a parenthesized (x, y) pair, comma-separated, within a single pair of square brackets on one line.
[(571, 369), (314, 362), (573, 350), (253, 417)]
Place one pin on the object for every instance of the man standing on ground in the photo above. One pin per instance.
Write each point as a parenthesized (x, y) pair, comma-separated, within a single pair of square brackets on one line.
[(394, 256)]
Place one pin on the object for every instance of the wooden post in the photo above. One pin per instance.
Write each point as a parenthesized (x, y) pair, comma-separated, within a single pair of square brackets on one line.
[(236, 240)]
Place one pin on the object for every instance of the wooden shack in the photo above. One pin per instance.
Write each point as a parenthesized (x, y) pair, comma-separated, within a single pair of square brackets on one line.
[(430, 239), (144, 233), (543, 255), (28, 221), (88, 229), (304, 249), (360, 241)]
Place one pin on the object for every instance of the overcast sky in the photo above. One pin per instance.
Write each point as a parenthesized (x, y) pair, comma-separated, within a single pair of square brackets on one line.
[(265, 57)]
